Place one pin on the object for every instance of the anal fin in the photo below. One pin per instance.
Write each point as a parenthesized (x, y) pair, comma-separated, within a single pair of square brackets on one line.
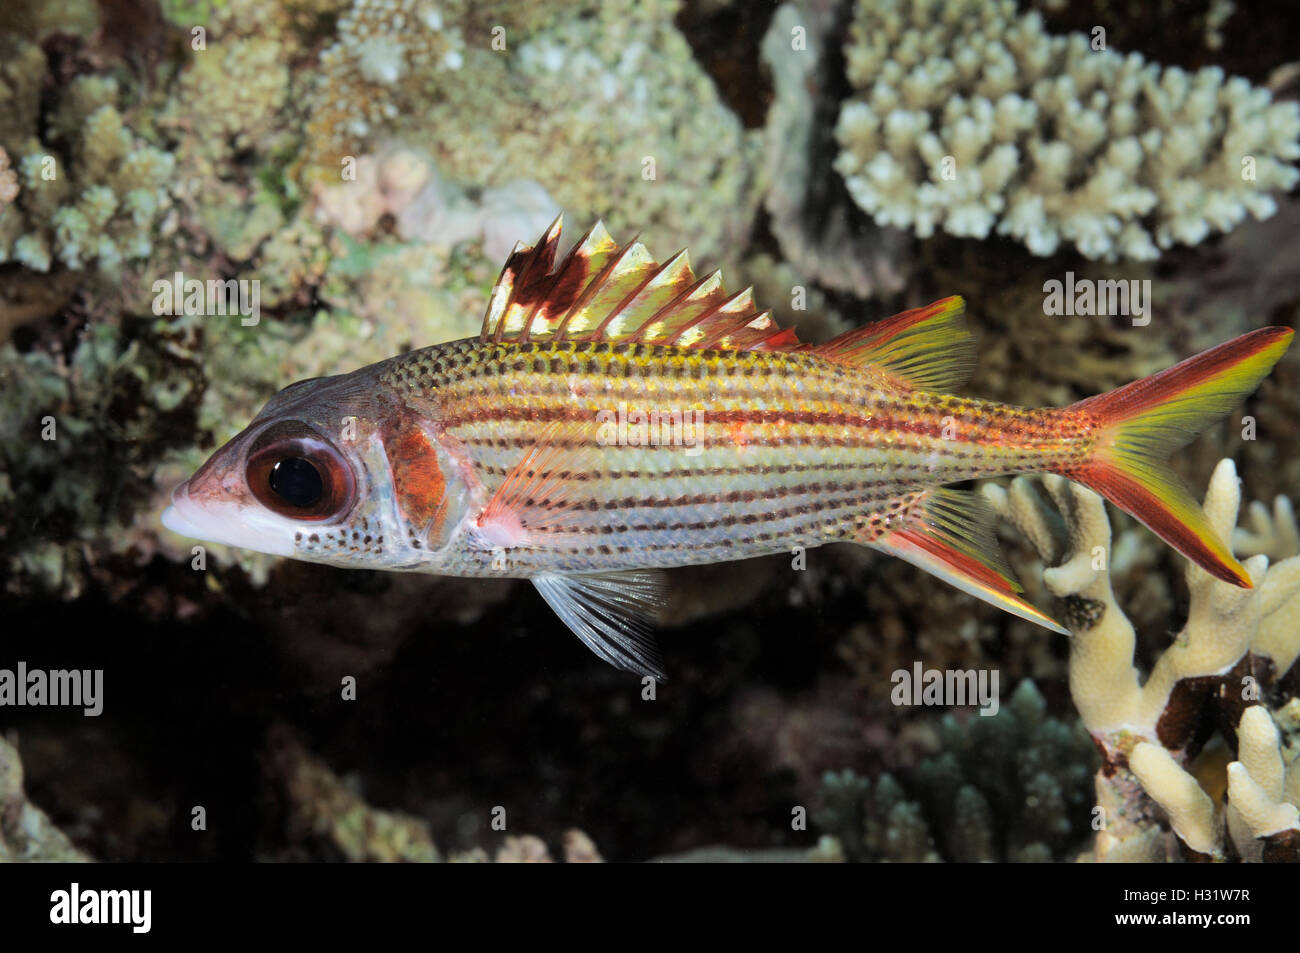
[(612, 613), (951, 535)]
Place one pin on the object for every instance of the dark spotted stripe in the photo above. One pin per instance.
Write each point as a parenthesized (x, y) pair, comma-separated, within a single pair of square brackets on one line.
[(854, 493)]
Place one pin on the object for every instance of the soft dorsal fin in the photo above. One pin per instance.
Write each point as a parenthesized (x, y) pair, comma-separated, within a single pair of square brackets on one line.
[(604, 292), (922, 349)]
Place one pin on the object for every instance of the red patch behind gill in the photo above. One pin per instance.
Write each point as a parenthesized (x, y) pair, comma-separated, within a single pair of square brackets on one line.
[(419, 486)]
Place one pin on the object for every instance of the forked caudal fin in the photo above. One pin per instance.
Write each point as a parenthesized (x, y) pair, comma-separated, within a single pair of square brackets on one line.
[(1141, 424)]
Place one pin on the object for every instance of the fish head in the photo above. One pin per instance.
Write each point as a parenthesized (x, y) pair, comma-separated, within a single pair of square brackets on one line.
[(332, 470)]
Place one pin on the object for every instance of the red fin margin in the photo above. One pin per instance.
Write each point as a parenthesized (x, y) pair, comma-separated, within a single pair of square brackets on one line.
[(923, 349), (1140, 424), (951, 536)]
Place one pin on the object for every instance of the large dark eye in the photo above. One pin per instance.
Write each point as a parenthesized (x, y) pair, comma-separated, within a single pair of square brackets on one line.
[(300, 477), (297, 481)]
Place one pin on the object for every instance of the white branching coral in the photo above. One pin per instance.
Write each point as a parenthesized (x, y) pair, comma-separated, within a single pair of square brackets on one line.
[(1261, 785), (1274, 533), (1234, 640), (972, 119)]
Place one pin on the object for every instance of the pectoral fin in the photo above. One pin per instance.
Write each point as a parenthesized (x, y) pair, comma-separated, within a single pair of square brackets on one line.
[(534, 504), (612, 613)]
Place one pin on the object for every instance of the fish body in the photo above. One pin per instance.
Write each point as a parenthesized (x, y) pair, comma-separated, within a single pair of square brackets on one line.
[(616, 416), (705, 455)]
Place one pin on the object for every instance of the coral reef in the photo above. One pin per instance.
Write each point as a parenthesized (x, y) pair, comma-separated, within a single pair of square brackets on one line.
[(94, 193), (8, 180), (197, 175), (424, 207), (873, 822), (383, 64), (731, 855), (369, 163), (1274, 533), (816, 227), (1228, 659), (970, 118), (1013, 786), (109, 404), (604, 105), (324, 818)]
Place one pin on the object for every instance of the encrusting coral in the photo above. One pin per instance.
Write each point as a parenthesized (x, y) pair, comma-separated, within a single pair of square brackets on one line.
[(382, 63), (8, 180), (813, 222), (1221, 669), (90, 194), (27, 835), (603, 104), (323, 818), (424, 207), (969, 117)]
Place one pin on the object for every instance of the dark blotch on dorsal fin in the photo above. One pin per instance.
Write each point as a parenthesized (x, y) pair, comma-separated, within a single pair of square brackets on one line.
[(605, 292)]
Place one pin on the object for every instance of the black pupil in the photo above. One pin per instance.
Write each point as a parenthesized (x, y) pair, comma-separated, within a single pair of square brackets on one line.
[(297, 481)]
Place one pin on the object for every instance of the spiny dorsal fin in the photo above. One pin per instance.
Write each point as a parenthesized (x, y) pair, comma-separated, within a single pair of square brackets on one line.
[(601, 292), (922, 349)]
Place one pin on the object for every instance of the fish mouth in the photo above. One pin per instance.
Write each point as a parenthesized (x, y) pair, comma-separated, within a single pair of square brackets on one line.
[(230, 524), (174, 516)]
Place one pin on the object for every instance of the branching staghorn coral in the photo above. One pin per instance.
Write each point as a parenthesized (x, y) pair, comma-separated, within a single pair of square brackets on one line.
[(1264, 789), (1010, 787), (1236, 644), (1274, 533), (970, 118)]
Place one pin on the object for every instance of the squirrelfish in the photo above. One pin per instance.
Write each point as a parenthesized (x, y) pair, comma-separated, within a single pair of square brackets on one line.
[(617, 416)]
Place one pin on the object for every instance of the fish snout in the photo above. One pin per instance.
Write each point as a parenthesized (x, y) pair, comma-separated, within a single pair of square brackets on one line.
[(179, 517)]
